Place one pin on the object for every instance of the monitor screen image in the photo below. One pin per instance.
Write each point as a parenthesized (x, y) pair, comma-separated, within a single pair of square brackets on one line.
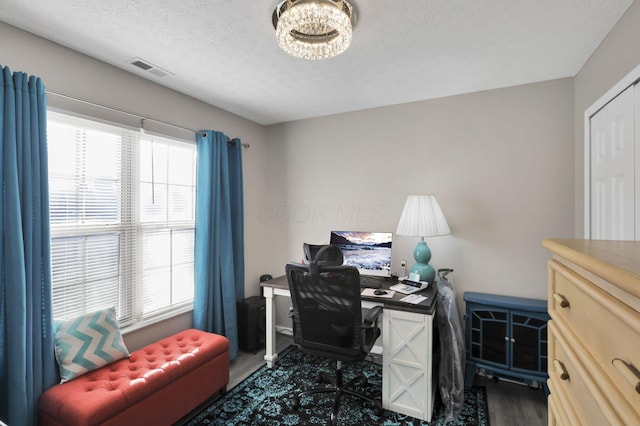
[(370, 252)]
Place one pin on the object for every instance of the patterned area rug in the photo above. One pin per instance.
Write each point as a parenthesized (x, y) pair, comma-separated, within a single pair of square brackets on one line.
[(264, 398)]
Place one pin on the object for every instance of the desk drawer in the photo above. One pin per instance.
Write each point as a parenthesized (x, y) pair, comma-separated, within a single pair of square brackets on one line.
[(610, 328)]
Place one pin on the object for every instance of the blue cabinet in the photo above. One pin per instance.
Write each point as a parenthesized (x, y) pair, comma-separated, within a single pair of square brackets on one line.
[(506, 337)]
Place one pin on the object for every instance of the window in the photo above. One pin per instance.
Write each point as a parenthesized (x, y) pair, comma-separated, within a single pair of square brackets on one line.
[(122, 206)]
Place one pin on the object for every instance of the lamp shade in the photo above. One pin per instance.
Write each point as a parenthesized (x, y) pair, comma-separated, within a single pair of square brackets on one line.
[(422, 217)]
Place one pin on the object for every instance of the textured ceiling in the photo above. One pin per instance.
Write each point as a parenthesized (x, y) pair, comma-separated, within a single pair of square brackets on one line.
[(224, 52)]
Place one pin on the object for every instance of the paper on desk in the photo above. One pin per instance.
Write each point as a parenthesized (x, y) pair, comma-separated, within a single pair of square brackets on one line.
[(413, 299), (369, 292)]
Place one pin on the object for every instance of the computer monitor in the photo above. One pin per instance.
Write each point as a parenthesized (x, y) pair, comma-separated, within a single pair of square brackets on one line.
[(370, 252)]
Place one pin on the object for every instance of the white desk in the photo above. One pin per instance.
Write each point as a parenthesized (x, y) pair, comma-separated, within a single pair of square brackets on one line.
[(408, 385)]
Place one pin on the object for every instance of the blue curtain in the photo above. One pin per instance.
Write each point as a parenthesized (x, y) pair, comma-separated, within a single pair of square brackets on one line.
[(219, 242), (27, 363)]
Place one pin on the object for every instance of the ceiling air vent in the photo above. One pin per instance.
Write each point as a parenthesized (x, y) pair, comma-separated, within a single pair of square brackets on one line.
[(146, 66)]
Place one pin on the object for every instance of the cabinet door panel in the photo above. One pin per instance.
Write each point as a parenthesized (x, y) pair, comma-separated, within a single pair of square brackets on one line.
[(529, 342), (407, 373), (490, 329)]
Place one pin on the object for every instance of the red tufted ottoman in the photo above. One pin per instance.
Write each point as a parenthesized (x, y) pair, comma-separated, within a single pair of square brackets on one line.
[(158, 384)]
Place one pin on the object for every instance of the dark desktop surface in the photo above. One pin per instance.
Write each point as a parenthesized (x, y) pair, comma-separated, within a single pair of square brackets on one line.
[(372, 281), (427, 306)]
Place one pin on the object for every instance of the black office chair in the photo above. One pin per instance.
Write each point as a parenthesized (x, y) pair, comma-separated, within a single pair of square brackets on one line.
[(327, 321), (330, 256)]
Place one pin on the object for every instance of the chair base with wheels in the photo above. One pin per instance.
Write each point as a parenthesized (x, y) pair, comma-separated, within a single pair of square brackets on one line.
[(340, 389)]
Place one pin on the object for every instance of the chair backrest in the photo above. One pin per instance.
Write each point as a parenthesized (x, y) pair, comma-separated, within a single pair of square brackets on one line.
[(326, 309), (323, 254)]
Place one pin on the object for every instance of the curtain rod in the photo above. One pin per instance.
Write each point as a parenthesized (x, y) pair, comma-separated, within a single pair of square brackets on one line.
[(141, 117)]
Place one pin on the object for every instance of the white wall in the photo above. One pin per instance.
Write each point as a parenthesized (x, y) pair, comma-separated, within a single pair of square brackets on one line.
[(616, 56), (77, 75), (500, 163)]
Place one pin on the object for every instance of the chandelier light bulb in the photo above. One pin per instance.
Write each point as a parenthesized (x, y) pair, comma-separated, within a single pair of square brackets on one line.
[(313, 29)]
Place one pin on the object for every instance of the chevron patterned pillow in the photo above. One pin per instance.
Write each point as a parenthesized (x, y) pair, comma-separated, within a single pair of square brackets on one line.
[(88, 342)]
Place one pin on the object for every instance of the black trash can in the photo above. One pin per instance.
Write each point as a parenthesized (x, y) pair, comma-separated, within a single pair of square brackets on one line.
[(251, 323)]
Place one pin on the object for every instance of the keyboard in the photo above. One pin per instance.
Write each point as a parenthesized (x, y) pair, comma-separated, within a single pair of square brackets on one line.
[(370, 281)]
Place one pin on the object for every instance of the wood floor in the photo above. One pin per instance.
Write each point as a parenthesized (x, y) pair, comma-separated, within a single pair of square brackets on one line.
[(510, 404), (513, 404)]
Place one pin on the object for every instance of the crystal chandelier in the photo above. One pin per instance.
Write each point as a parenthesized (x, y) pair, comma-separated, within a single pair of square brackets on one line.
[(313, 29)]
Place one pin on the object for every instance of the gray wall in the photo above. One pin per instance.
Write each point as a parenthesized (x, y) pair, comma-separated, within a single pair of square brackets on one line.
[(500, 163), (616, 56)]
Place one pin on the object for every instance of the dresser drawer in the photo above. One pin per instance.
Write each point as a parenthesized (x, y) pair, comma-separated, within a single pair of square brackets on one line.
[(560, 409), (568, 376), (607, 327), (553, 418)]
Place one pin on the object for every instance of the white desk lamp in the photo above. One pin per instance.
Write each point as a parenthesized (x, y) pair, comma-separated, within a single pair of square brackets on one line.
[(422, 217)]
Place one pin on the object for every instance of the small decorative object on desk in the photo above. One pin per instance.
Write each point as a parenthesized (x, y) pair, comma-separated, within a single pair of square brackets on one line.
[(409, 286)]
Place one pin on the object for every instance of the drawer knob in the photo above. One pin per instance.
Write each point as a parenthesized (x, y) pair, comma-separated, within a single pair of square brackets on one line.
[(561, 300), (562, 372), (629, 372)]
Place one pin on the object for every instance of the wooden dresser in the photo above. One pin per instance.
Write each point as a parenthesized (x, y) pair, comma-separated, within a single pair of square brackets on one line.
[(594, 332)]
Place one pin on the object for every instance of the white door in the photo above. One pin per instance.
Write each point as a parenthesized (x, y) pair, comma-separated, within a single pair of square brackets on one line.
[(637, 170), (613, 158)]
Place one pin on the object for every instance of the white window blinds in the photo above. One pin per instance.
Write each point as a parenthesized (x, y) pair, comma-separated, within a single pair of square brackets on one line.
[(122, 219), (167, 220)]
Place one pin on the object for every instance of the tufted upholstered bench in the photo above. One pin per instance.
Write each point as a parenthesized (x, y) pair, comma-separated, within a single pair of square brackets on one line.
[(158, 384)]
